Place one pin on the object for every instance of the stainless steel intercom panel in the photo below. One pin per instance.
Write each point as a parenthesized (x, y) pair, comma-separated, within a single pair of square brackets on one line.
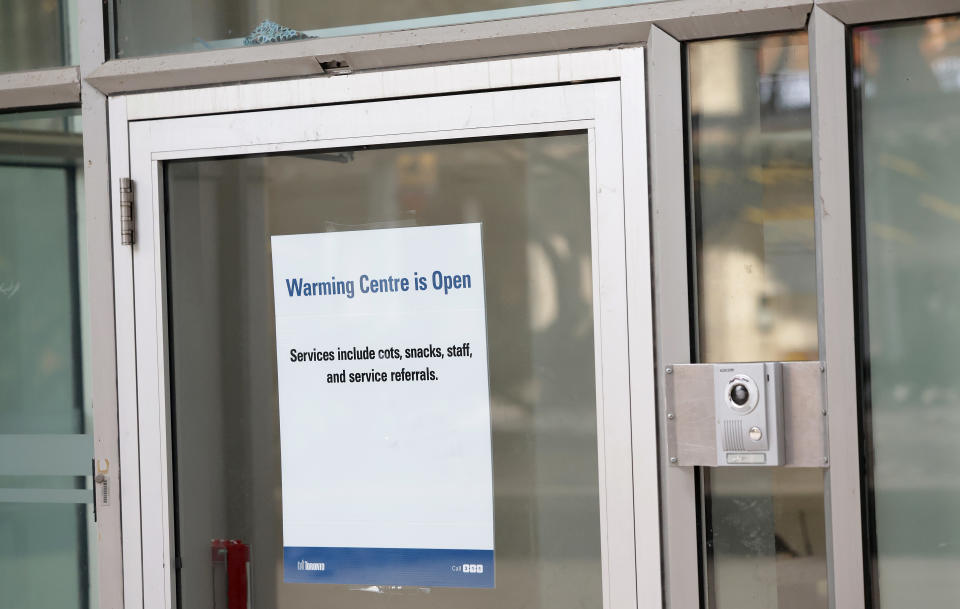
[(699, 397), (747, 402)]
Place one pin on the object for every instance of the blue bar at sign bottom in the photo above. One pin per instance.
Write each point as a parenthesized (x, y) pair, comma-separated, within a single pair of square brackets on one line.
[(389, 567)]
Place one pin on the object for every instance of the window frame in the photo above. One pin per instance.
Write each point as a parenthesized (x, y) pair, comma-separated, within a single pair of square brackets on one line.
[(64, 87), (834, 251)]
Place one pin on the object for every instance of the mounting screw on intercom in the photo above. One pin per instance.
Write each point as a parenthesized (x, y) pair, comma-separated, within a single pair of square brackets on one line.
[(747, 400)]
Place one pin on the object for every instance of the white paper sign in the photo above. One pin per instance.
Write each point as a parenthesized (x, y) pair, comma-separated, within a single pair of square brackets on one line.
[(384, 407)]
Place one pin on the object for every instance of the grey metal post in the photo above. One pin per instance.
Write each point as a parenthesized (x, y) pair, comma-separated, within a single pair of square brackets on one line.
[(831, 184), (671, 306), (100, 296)]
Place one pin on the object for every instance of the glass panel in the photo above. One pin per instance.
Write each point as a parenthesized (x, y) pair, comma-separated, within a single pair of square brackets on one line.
[(40, 542), (752, 187), (144, 27), (766, 540), (907, 93), (40, 367), (532, 196), (752, 192), (46, 524), (37, 34)]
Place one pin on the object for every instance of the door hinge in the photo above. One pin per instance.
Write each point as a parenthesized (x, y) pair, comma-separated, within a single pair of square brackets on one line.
[(127, 235)]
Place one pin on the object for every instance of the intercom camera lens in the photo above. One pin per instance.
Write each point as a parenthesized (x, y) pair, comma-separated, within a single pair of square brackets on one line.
[(739, 394)]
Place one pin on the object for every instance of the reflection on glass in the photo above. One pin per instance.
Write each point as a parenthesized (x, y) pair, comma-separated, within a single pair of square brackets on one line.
[(766, 538), (147, 27), (37, 34), (40, 373), (532, 195), (45, 522), (907, 96), (752, 188), (752, 192)]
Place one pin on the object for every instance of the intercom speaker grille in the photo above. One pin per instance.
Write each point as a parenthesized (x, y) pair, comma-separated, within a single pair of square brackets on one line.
[(733, 435)]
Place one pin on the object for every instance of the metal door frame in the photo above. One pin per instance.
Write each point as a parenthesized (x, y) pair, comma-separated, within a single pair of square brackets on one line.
[(505, 97)]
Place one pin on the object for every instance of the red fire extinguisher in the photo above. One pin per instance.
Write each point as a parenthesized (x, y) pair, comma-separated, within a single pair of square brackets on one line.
[(230, 559)]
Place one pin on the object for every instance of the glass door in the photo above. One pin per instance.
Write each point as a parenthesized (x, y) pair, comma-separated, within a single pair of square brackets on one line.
[(381, 355)]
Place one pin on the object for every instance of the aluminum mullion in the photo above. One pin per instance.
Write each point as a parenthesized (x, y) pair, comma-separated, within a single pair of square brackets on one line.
[(669, 224), (53, 87), (832, 209), (100, 297)]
